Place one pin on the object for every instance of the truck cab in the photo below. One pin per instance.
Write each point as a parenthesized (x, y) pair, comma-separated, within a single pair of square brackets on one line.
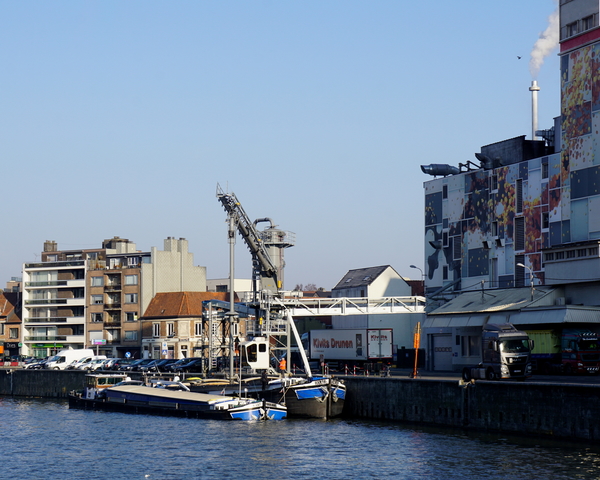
[(580, 351), (505, 353)]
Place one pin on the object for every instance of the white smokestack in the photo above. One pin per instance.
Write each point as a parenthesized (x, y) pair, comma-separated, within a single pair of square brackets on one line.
[(534, 108), (547, 42)]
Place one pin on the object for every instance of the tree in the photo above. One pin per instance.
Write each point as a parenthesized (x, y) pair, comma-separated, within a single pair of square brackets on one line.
[(309, 287)]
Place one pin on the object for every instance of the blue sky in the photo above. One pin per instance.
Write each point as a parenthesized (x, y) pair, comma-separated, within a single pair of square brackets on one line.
[(120, 118)]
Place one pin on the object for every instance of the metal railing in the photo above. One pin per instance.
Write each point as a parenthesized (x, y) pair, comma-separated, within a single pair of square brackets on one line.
[(353, 306)]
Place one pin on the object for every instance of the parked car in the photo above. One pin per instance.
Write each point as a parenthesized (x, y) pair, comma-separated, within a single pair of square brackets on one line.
[(147, 366), (134, 366), (36, 363), (86, 363), (108, 365), (193, 365), (120, 363), (158, 365), (97, 364), (171, 367)]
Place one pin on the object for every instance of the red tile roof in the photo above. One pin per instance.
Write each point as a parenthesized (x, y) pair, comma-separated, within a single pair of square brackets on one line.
[(181, 304)]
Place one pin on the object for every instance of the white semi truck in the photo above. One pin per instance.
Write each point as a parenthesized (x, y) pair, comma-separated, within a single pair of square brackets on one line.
[(505, 353)]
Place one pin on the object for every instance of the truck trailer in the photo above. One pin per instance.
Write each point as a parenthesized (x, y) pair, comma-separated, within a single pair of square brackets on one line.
[(570, 351), (505, 353), (350, 346)]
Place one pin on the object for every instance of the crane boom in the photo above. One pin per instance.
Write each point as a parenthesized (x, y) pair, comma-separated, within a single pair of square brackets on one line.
[(261, 259)]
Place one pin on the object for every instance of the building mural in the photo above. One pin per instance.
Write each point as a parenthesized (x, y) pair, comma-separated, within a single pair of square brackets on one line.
[(480, 224)]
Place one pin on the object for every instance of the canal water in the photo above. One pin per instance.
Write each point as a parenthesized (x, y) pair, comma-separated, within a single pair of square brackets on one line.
[(45, 440)]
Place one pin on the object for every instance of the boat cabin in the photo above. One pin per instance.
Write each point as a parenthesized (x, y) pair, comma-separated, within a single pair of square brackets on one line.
[(95, 383)]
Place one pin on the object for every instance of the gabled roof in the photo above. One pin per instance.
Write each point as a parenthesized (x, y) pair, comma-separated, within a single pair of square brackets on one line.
[(361, 277), (181, 304), (10, 306)]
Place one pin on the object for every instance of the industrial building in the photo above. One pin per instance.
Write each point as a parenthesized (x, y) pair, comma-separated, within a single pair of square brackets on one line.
[(524, 216)]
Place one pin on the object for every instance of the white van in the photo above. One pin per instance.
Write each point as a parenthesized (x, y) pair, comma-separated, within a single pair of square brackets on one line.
[(65, 357)]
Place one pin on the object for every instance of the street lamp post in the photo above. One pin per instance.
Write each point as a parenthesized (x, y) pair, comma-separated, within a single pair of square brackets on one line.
[(530, 277), (422, 276)]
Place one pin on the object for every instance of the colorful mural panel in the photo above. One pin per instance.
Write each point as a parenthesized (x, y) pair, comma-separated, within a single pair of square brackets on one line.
[(559, 194), (433, 208)]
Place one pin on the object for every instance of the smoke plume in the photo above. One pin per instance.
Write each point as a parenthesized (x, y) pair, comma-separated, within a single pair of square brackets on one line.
[(547, 42)]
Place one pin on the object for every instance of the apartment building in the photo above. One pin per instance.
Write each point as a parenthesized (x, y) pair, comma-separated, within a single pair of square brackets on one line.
[(93, 298)]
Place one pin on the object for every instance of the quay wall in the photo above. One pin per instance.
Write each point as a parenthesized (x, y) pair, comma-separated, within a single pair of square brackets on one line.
[(550, 410), (40, 383)]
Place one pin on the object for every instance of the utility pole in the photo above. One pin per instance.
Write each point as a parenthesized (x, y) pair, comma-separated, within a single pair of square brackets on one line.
[(231, 314)]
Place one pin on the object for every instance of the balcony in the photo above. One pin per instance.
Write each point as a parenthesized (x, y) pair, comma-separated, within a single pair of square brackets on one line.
[(47, 338), (112, 306), (117, 287), (55, 283), (112, 324), (47, 301), (67, 263), (76, 320), (45, 319)]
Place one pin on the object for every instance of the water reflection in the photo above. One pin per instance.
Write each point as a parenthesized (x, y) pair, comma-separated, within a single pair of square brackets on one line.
[(47, 440)]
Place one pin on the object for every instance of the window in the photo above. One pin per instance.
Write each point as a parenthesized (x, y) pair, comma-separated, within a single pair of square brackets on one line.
[(13, 333), (130, 335), (131, 316), (1, 329), (545, 167), (131, 279), (560, 255), (470, 345), (520, 233), (133, 261), (444, 191), (571, 254), (571, 29), (97, 281), (545, 222), (97, 317), (494, 182), (97, 299), (519, 200), (593, 251), (445, 272), (549, 257), (519, 271), (582, 252), (587, 23), (78, 293), (171, 329), (457, 248), (115, 263), (156, 329), (198, 329), (131, 298)]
